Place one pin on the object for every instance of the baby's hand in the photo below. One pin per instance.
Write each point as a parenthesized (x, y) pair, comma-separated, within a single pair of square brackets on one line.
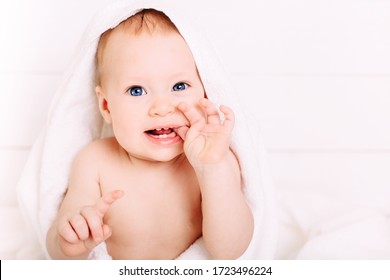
[(207, 140), (81, 232)]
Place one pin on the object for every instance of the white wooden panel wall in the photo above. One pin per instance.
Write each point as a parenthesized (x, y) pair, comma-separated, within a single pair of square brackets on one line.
[(315, 73)]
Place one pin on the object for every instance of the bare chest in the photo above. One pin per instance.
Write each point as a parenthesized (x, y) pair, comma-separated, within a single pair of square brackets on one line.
[(158, 217)]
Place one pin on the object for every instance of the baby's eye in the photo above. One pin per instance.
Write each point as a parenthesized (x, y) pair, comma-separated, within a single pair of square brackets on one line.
[(136, 91), (180, 86)]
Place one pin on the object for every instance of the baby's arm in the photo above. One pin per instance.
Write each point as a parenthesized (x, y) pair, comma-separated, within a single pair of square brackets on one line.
[(79, 226), (227, 218)]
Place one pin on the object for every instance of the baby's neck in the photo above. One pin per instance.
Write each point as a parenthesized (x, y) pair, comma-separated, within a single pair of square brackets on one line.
[(173, 164)]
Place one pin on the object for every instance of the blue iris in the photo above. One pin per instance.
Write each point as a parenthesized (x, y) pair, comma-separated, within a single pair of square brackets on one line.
[(180, 86), (136, 91)]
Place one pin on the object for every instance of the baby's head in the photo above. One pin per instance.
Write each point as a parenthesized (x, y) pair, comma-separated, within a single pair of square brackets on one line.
[(144, 70), (148, 20)]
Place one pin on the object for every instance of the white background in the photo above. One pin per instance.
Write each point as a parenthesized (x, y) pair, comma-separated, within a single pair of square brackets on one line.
[(315, 73)]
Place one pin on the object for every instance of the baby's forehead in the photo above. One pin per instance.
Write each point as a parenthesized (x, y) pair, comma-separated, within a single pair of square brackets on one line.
[(146, 21), (122, 42), (126, 50)]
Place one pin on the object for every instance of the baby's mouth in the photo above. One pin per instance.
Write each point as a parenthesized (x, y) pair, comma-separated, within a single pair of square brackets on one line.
[(162, 133)]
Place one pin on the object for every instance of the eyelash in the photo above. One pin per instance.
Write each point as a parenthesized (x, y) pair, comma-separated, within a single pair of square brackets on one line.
[(139, 91), (180, 83), (143, 92)]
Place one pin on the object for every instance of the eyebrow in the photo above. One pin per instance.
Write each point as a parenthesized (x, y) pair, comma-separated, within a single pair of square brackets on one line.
[(184, 73)]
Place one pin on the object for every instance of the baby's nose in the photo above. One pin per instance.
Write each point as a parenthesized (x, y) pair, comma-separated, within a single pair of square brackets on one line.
[(161, 107)]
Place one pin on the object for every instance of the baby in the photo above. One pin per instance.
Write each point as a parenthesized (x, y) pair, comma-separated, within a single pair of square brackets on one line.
[(168, 176)]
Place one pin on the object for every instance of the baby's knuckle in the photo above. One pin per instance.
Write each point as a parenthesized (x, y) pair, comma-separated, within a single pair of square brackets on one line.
[(84, 211), (88, 211), (77, 221)]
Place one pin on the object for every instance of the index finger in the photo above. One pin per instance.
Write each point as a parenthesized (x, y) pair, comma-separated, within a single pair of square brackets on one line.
[(107, 200), (193, 116)]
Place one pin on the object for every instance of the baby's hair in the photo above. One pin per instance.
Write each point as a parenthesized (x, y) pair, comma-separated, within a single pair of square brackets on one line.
[(147, 20)]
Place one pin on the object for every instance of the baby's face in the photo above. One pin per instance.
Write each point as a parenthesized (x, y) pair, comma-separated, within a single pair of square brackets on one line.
[(144, 78)]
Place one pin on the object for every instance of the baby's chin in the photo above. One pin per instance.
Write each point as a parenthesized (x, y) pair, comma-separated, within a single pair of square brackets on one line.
[(161, 156)]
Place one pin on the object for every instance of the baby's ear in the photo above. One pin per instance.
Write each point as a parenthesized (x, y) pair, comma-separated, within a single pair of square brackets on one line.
[(103, 104)]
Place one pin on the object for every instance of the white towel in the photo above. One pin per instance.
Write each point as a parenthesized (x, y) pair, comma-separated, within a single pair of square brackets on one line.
[(74, 120)]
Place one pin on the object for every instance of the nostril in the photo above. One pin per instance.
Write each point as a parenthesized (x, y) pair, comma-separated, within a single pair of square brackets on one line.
[(161, 109)]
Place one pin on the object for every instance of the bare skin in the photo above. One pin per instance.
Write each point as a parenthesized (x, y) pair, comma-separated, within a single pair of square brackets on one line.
[(149, 195)]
